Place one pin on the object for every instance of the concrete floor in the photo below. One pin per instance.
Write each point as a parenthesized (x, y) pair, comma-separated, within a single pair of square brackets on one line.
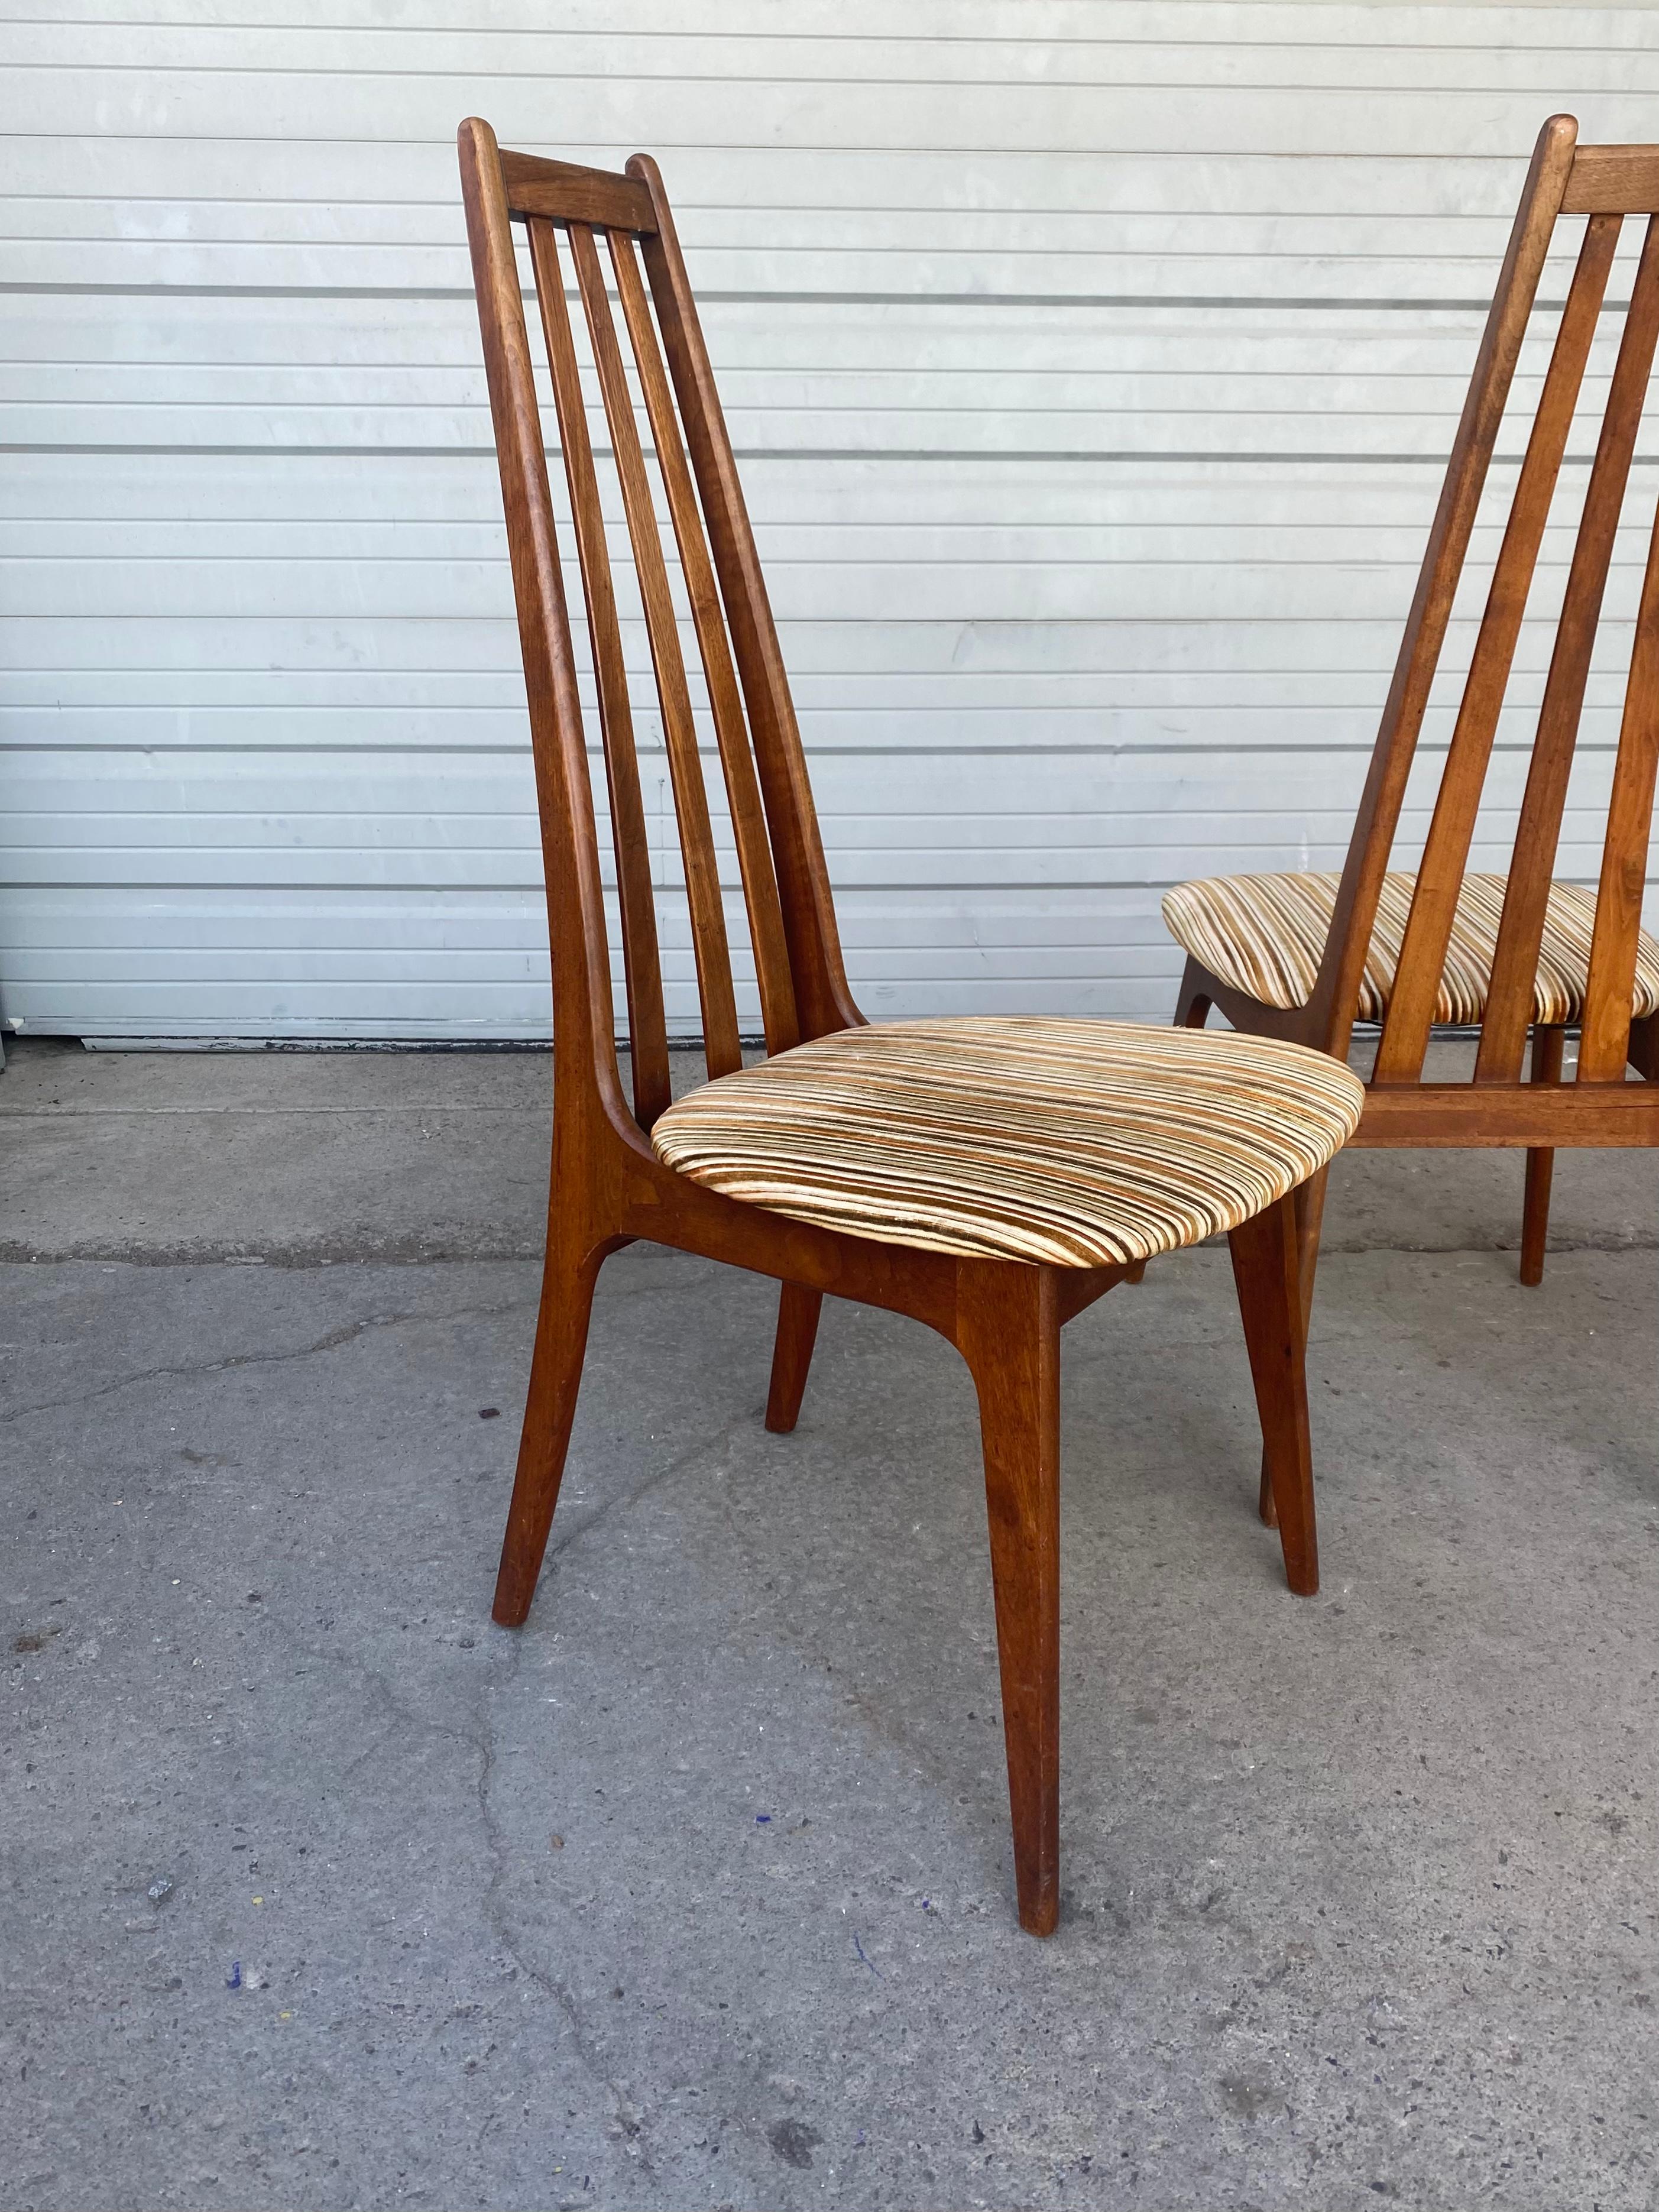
[(320, 1890)]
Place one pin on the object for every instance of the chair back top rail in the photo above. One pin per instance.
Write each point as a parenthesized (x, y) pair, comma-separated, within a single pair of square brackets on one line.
[(564, 192), (791, 917), (1612, 179), (1605, 184)]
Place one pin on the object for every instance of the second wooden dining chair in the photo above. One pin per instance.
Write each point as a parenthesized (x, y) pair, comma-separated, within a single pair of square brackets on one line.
[(990, 1178), (1305, 956)]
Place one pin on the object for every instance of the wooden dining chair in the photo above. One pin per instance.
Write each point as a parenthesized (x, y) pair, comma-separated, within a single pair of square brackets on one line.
[(1306, 955), (990, 1178)]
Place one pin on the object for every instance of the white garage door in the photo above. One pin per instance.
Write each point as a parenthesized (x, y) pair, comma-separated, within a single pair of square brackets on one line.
[(1088, 365)]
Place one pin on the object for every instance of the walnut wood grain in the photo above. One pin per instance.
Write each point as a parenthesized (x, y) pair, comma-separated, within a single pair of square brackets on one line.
[(1337, 992), (1515, 967), (606, 1185), (1614, 180), (1266, 1255), (760, 883), (566, 192), (1440, 875), (710, 950), (1510, 1115), (648, 1026), (822, 997), (798, 1310), (1604, 1043), (1008, 1331), (1600, 1107), (1548, 1043)]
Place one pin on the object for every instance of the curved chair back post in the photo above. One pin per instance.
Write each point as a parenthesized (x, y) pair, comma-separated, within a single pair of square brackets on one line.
[(607, 221), (584, 1038), (809, 915)]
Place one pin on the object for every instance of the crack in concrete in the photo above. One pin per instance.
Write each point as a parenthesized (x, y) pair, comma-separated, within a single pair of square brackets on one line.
[(601, 1514), (400, 1714), (498, 1918), (354, 1250), (892, 1727), (480, 1740), (332, 1342), (464, 1246), (495, 1906)]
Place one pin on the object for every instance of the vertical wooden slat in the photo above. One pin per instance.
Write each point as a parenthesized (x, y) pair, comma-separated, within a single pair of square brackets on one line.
[(760, 886), (1605, 1044), (1337, 994), (710, 949), (584, 1028), (1520, 933), (809, 918), (1445, 855), (641, 960)]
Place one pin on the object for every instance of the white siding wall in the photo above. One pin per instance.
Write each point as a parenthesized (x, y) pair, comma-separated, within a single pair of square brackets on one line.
[(1092, 366)]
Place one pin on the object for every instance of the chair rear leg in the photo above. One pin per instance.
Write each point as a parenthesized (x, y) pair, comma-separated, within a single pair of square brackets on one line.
[(791, 1354), (1535, 1213), (555, 1374), (1268, 1270), (1547, 1049), (1008, 1331)]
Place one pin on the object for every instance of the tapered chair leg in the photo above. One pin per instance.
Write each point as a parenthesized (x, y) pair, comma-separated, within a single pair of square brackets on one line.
[(1309, 1199), (555, 1374), (1547, 1049), (1008, 1331), (791, 1354), (1266, 1268)]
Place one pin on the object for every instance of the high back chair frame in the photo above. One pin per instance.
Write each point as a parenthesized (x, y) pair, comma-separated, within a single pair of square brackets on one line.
[(1600, 1107), (608, 1186)]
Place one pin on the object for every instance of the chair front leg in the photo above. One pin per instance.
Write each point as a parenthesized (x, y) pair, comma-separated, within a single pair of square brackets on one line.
[(555, 1374), (1309, 1198), (1008, 1331), (1266, 1268)]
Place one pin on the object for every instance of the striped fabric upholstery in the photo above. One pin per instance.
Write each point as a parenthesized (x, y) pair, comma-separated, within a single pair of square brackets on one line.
[(1265, 935), (1078, 1144)]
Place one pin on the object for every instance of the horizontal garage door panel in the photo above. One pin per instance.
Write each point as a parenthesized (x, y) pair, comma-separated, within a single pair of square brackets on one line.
[(1091, 371)]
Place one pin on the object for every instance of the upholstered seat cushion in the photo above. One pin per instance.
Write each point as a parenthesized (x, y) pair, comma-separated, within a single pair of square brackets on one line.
[(1265, 935), (1078, 1144)]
